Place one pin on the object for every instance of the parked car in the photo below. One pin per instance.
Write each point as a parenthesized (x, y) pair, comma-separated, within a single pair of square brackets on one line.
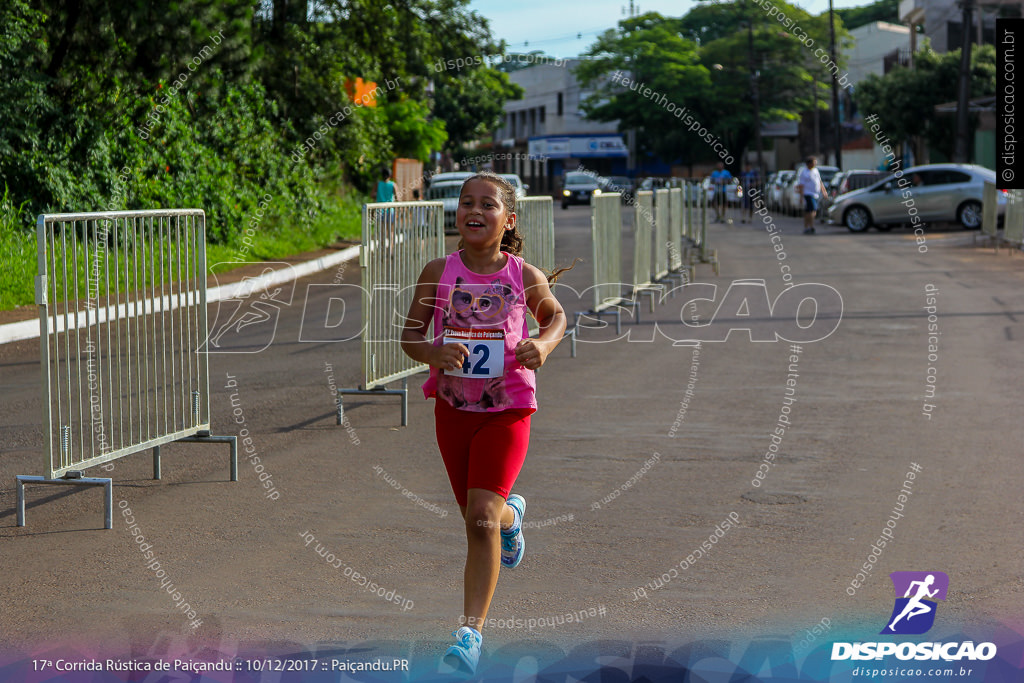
[(578, 188), (940, 192), (848, 181), (517, 183), (618, 183), (651, 184), (449, 176), (777, 189), (446, 190), (792, 201)]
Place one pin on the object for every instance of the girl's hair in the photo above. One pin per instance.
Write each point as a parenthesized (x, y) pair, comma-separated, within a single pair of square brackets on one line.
[(512, 240)]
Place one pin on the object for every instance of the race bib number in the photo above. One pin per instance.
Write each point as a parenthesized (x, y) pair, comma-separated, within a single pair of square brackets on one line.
[(486, 352)]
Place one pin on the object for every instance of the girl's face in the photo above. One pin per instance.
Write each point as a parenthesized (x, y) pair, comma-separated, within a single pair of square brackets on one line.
[(481, 217)]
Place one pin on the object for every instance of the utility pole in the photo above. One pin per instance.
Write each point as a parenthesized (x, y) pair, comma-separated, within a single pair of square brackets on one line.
[(835, 88), (817, 122), (961, 153), (755, 96)]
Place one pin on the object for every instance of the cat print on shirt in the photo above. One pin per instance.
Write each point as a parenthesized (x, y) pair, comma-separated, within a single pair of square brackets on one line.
[(476, 306)]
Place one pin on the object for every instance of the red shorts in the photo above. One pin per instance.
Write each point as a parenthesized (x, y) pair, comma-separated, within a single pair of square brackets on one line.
[(481, 450)]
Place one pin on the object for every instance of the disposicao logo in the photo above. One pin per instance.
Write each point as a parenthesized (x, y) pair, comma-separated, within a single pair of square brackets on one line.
[(914, 612)]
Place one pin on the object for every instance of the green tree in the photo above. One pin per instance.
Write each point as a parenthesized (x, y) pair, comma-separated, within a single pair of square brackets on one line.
[(472, 104), (649, 50), (307, 60), (701, 62), (904, 99), (880, 10), (414, 133)]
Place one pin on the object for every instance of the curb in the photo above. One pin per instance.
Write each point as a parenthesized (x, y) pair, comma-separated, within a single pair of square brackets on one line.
[(29, 329)]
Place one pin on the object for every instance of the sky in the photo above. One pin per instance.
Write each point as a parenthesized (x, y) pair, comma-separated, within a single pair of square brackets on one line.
[(553, 25)]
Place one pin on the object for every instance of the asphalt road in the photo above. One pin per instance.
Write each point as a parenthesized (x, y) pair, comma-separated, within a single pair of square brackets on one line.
[(645, 471)]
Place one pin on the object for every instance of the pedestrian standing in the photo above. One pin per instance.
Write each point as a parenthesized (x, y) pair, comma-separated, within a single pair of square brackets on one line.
[(482, 363), (385, 187), (811, 188), (720, 179)]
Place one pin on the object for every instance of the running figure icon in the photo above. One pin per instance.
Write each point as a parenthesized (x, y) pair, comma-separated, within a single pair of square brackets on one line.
[(917, 593), (915, 606)]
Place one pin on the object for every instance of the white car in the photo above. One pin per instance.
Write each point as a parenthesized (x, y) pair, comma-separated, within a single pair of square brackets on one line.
[(776, 191), (936, 192), (517, 183), (445, 187)]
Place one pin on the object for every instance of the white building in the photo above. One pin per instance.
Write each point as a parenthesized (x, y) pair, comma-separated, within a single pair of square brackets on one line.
[(876, 44), (546, 133), (942, 20)]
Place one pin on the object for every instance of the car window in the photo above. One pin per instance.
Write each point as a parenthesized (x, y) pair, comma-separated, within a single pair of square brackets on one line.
[(858, 181), (881, 185), (444, 192), (948, 177)]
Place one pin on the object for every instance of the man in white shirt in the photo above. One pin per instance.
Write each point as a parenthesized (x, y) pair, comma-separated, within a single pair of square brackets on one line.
[(810, 186)]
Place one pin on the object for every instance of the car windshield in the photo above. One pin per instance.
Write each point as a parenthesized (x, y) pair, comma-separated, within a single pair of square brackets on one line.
[(578, 179), (444, 191)]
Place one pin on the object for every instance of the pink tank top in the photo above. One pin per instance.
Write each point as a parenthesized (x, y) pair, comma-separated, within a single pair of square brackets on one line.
[(487, 313)]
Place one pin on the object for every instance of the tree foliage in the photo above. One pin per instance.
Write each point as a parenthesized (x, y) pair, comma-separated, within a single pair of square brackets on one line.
[(702, 63), (205, 102), (904, 99), (880, 10)]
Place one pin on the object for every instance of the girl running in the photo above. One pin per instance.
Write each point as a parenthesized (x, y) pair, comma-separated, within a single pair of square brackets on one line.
[(482, 367)]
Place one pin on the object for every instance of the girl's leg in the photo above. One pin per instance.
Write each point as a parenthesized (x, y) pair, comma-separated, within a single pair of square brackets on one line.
[(485, 513)]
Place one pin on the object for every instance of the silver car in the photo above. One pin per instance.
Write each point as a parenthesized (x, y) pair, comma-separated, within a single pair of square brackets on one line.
[(447, 192), (938, 192), (517, 183)]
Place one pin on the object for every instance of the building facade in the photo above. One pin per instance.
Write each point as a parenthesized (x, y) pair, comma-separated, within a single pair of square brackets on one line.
[(546, 133)]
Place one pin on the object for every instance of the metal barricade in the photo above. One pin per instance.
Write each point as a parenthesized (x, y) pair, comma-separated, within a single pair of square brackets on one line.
[(606, 234), (690, 191), (399, 239), (122, 331), (606, 230), (990, 213), (661, 223), (643, 228), (643, 243), (1013, 223), (535, 219), (675, 230)]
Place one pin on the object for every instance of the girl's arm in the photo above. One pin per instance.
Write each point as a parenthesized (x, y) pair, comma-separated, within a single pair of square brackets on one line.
[(531, 353), (414, 335)]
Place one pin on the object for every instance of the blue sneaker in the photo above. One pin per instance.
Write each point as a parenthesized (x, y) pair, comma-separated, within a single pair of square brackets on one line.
[(465, 653), (513, 545)]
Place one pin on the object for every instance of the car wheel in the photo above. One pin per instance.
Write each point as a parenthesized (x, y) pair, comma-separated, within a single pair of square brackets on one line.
[(565, 205), (857, 219), (969, 215)]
